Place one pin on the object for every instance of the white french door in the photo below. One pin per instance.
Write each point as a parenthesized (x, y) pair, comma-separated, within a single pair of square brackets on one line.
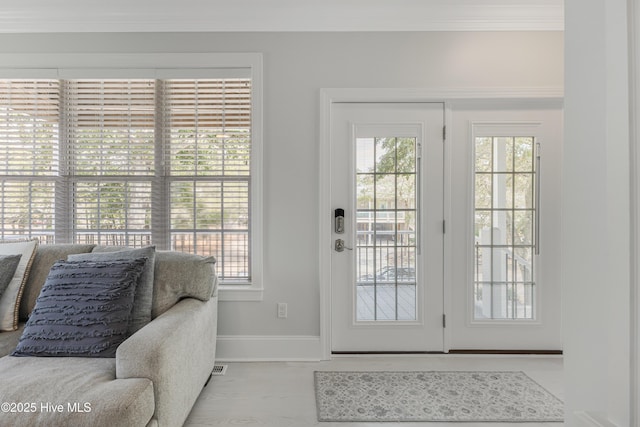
[(387, 236)]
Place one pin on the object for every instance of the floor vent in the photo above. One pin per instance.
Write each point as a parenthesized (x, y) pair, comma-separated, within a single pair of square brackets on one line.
[(219, 370)]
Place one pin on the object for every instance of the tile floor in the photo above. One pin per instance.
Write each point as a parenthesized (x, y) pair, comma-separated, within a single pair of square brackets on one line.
[(280, 394)]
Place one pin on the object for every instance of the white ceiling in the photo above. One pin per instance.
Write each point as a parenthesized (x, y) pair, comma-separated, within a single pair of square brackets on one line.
[(37, 16)]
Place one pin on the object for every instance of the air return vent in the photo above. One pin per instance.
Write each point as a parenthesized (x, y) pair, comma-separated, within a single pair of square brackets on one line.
[(219, 370)]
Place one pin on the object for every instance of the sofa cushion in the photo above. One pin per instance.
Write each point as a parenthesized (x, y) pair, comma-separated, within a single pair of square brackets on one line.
[(9, 340), (180, 275), (10, 299), (85, 387), (45, 256), (83, 310), (141, 314), (8, 266)]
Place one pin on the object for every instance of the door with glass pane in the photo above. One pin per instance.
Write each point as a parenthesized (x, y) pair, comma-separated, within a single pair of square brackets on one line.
[(387, 200)]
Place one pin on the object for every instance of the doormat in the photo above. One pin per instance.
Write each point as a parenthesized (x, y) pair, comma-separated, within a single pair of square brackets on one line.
[(478, 396)]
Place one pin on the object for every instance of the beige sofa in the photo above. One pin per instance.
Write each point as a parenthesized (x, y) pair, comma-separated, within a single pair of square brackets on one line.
[(157, 374)]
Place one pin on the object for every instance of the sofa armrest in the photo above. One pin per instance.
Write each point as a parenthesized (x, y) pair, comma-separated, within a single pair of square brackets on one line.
[(176, 351)]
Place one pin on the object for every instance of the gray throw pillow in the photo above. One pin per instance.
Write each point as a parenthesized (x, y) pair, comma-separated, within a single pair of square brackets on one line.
[(141, 314), (8, 265), (11, 297), (83, 309)]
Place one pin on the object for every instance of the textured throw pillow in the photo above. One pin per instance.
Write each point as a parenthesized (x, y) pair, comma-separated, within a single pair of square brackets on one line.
[(8, 265), (141, 314), (83, 309), (10, 299)]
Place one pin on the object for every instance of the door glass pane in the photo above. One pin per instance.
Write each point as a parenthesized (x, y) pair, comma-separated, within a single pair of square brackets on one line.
[(386, 177), (484, 157), (385, 191), (406, 155), (406, 191), (523, 154), (504, 213), (364, 191), (483, 190), (365, 150), (523, 196)]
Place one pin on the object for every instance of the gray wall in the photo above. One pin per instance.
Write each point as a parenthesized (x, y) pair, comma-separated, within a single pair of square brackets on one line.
[(296, 66)]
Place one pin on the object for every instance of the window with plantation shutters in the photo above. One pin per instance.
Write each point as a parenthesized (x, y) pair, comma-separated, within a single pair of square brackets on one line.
[(131, 162), (109, 141), (30, 157), (208, 126)]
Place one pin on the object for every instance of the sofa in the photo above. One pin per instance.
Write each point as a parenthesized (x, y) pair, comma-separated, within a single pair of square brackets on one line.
[(158, 371)]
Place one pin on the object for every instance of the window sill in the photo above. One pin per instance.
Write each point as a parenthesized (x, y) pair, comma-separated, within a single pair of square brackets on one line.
[(240, 292)]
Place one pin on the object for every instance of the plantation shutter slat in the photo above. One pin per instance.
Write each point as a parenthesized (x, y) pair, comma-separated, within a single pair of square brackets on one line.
[(29, 113), (110, 125)]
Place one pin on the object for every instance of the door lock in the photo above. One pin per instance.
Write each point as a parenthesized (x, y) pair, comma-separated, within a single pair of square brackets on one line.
[(339, 221)]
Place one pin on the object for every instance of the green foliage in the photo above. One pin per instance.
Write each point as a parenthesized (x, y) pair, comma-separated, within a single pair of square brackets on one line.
[(504, 180), (395, 172), (395, 155)]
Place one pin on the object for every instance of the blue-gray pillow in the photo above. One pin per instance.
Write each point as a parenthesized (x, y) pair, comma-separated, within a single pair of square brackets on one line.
[(141, 314), (83, 309), (8, 265)]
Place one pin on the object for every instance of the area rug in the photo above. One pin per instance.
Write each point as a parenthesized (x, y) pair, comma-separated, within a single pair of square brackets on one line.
[(434, 396)]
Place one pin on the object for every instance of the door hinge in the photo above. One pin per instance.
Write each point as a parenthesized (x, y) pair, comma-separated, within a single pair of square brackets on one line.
[(444, 133), (444, 320), (444, 226)]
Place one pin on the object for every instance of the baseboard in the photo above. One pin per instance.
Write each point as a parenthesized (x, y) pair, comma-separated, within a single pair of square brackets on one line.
[(589, 419), (269, 348)]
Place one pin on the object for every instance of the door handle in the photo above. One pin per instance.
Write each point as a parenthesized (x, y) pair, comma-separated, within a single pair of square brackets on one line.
[(340, 247)]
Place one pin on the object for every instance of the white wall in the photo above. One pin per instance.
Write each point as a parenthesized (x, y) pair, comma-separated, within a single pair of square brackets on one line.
[(296, 66), (596, 222)]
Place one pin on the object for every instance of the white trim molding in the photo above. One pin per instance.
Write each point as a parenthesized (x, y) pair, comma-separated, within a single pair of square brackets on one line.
[(44, 16), (589, 419), (267, 348)]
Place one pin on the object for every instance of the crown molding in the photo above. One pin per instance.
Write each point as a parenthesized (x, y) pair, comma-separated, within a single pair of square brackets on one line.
[(45, 16)]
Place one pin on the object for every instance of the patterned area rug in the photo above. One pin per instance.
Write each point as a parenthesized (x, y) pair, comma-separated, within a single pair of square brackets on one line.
[(434, 396)]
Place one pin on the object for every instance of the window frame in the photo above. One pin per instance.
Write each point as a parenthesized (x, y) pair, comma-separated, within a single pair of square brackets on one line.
[(167, 66), (502, 129)]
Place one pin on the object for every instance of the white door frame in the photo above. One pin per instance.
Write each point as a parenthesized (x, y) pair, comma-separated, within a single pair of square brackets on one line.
[(330, 96)]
